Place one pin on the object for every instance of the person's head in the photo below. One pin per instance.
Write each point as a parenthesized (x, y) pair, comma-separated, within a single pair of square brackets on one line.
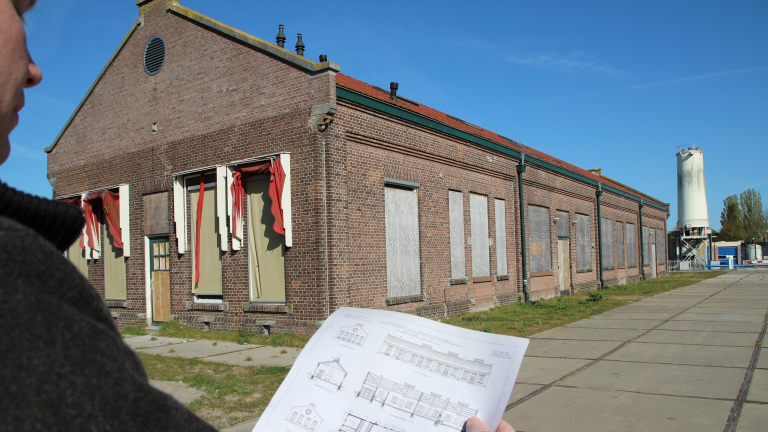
[(17, 70)]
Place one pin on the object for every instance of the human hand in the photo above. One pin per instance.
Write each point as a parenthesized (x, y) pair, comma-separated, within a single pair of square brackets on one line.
[(476, 425)]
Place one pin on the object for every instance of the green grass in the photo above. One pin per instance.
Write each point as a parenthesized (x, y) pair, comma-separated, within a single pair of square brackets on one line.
[(134, 331), (521, 319), (180, 330), (232, 394)]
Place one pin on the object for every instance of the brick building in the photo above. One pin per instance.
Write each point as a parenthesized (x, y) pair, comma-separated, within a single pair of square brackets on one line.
[(231, 183)]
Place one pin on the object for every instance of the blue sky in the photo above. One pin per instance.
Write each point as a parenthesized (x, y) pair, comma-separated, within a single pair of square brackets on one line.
[(610, 84)]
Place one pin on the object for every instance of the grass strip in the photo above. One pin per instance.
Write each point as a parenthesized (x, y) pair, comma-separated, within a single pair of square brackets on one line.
[(232, 394), (180, 330), (521, 319)]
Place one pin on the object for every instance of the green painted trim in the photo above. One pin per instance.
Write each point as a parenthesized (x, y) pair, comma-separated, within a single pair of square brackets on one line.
[(353, 96), (93, 86)]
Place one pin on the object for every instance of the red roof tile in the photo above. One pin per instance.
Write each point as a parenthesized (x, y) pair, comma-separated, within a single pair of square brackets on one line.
[(369, 90)]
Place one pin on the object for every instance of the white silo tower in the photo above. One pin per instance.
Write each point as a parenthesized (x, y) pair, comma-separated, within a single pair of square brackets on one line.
[(692, 215)]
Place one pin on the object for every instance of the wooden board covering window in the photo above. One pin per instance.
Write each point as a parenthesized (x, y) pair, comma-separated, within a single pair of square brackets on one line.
[(620, 245), (539, 239), (478, 217), (210, 251), (76, 255), (266, 248), (501, 238), (606, 232), (401, 218), (456, 226), (631, 245), (114, 269), (583, 243)]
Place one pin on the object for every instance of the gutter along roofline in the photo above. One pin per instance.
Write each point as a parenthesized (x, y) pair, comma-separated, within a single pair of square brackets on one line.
[(397, 111), (93, 86)]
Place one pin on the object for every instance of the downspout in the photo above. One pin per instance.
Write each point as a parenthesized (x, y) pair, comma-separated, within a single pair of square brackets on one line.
[(642, 245), (598, 194), (520, 171)]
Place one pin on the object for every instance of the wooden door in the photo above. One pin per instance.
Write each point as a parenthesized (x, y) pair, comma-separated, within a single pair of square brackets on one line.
[(161, 281), (564, 263)]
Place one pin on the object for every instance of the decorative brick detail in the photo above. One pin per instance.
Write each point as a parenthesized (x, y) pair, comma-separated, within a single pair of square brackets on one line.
[(256, 307), (117, 303), (391, 301), (207, 306)]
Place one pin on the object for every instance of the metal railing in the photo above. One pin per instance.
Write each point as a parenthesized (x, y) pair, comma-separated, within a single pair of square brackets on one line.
[(680, 148), (695, 265)]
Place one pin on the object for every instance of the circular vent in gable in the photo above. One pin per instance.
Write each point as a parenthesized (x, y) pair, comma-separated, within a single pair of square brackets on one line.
[(154, 55)]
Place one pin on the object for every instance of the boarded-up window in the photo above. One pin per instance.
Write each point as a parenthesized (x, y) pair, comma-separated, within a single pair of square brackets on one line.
[(456, 223), (606, 232), (76, 255), (563, 224), (266, 248), (646, 253), (660, 249), (402, 229), (210, 250), (631, 245), (501, 238), (114, 268), (156, 214), (620, 245), (478, 215), (583, 243), (538, 239)]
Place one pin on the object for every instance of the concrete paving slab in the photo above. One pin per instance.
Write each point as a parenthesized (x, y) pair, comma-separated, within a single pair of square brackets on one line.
[(619, 315), (615, 324), (146, 341), (198, 348), (242, 427), (569, 348), (754, 418), (762, 359), (727, 310), (698, 355), (700, 338), (522, 390), (712, 317), (730, 327), (180, 391), (678, 380), (588, 334), (261, 356), (544, 370), (729, 306), (758, 389), (650, 309), (583, 410)]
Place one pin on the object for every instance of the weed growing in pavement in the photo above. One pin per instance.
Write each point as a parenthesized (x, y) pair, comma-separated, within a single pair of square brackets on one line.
[(152, 339), (214, 344), (171, 351), (249, 358), (283, 352)]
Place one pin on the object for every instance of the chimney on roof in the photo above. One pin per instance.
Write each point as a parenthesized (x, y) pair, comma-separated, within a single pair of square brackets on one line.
[(281, 37), (323, 58), (300, 46), (596, 171), (393, 91)]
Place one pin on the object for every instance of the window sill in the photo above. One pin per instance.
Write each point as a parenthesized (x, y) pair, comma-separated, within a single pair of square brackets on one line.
[(267, 308), (481, 279), (609, 268), (462, 281), (207, 306), (502, 277), (391, 301), (117, 303), (540, 274), (585, 271)]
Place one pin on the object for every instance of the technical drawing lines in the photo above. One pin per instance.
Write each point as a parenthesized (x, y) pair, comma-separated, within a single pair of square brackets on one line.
[(331, 372), (306, 417), (405, 397), (353, 423), (352, 334), (474, 372)]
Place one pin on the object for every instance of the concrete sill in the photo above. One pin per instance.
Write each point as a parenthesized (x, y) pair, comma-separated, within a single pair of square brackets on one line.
[(391, 301)]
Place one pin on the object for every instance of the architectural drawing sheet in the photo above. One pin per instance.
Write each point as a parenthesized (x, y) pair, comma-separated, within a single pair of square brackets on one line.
[(368, 370)]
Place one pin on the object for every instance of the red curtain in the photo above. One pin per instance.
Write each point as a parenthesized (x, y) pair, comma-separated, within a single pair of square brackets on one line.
[(200, 198), (276, 183), (110, 201), (78, 201)]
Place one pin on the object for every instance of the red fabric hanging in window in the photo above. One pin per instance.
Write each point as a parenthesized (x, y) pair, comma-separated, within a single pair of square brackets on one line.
[(91, 223), (238, 191), (276, 183), (111, 202), (197, 227), (78, 201)]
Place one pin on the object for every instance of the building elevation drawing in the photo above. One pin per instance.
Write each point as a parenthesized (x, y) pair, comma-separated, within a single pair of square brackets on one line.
[(406, 398), (354, 423), (331, 372), (474, 372), (306, 417), (352, 334)]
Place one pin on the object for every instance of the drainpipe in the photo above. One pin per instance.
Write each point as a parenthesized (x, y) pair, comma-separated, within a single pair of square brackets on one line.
[(642, 245), (523, 248), (598, 194)]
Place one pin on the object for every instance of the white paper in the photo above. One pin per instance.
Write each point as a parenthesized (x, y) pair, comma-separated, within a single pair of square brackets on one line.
[(368, 370)]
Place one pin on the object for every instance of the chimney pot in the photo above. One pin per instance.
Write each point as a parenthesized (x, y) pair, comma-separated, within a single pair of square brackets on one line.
[(300, 46), (393, 90), (323, 58), (281, 37)]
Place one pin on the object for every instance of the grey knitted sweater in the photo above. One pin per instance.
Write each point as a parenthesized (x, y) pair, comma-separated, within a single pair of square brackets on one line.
[(63, 364)]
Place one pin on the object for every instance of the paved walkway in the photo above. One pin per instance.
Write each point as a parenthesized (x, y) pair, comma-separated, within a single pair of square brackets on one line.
[(685, 360)]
